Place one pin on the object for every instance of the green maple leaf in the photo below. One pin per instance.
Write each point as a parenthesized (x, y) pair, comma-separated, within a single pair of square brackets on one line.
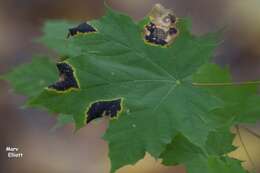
[(241, 98), (173, 105), (196, 160), (31, 79), (159, 99), (55, 37)]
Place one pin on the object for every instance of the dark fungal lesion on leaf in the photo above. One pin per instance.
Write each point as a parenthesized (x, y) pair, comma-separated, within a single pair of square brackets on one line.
[(83, 28), (67, 79), (99, 109), (162, 29)]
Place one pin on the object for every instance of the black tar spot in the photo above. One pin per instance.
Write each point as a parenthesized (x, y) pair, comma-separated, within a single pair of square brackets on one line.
[(104, 108), (67, 79), (81, 28), (153, 37)]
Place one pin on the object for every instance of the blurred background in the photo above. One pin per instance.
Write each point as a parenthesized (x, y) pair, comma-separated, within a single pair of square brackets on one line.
[(86, 152)]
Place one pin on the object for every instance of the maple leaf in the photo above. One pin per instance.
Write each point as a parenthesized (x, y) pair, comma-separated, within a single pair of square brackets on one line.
[(159, 99), (30, 79), (197, 160), (55, 37), (241, 98), (170, 103)]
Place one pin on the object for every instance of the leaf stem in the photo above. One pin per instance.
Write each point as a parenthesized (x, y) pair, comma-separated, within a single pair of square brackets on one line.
[(225, 83)]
